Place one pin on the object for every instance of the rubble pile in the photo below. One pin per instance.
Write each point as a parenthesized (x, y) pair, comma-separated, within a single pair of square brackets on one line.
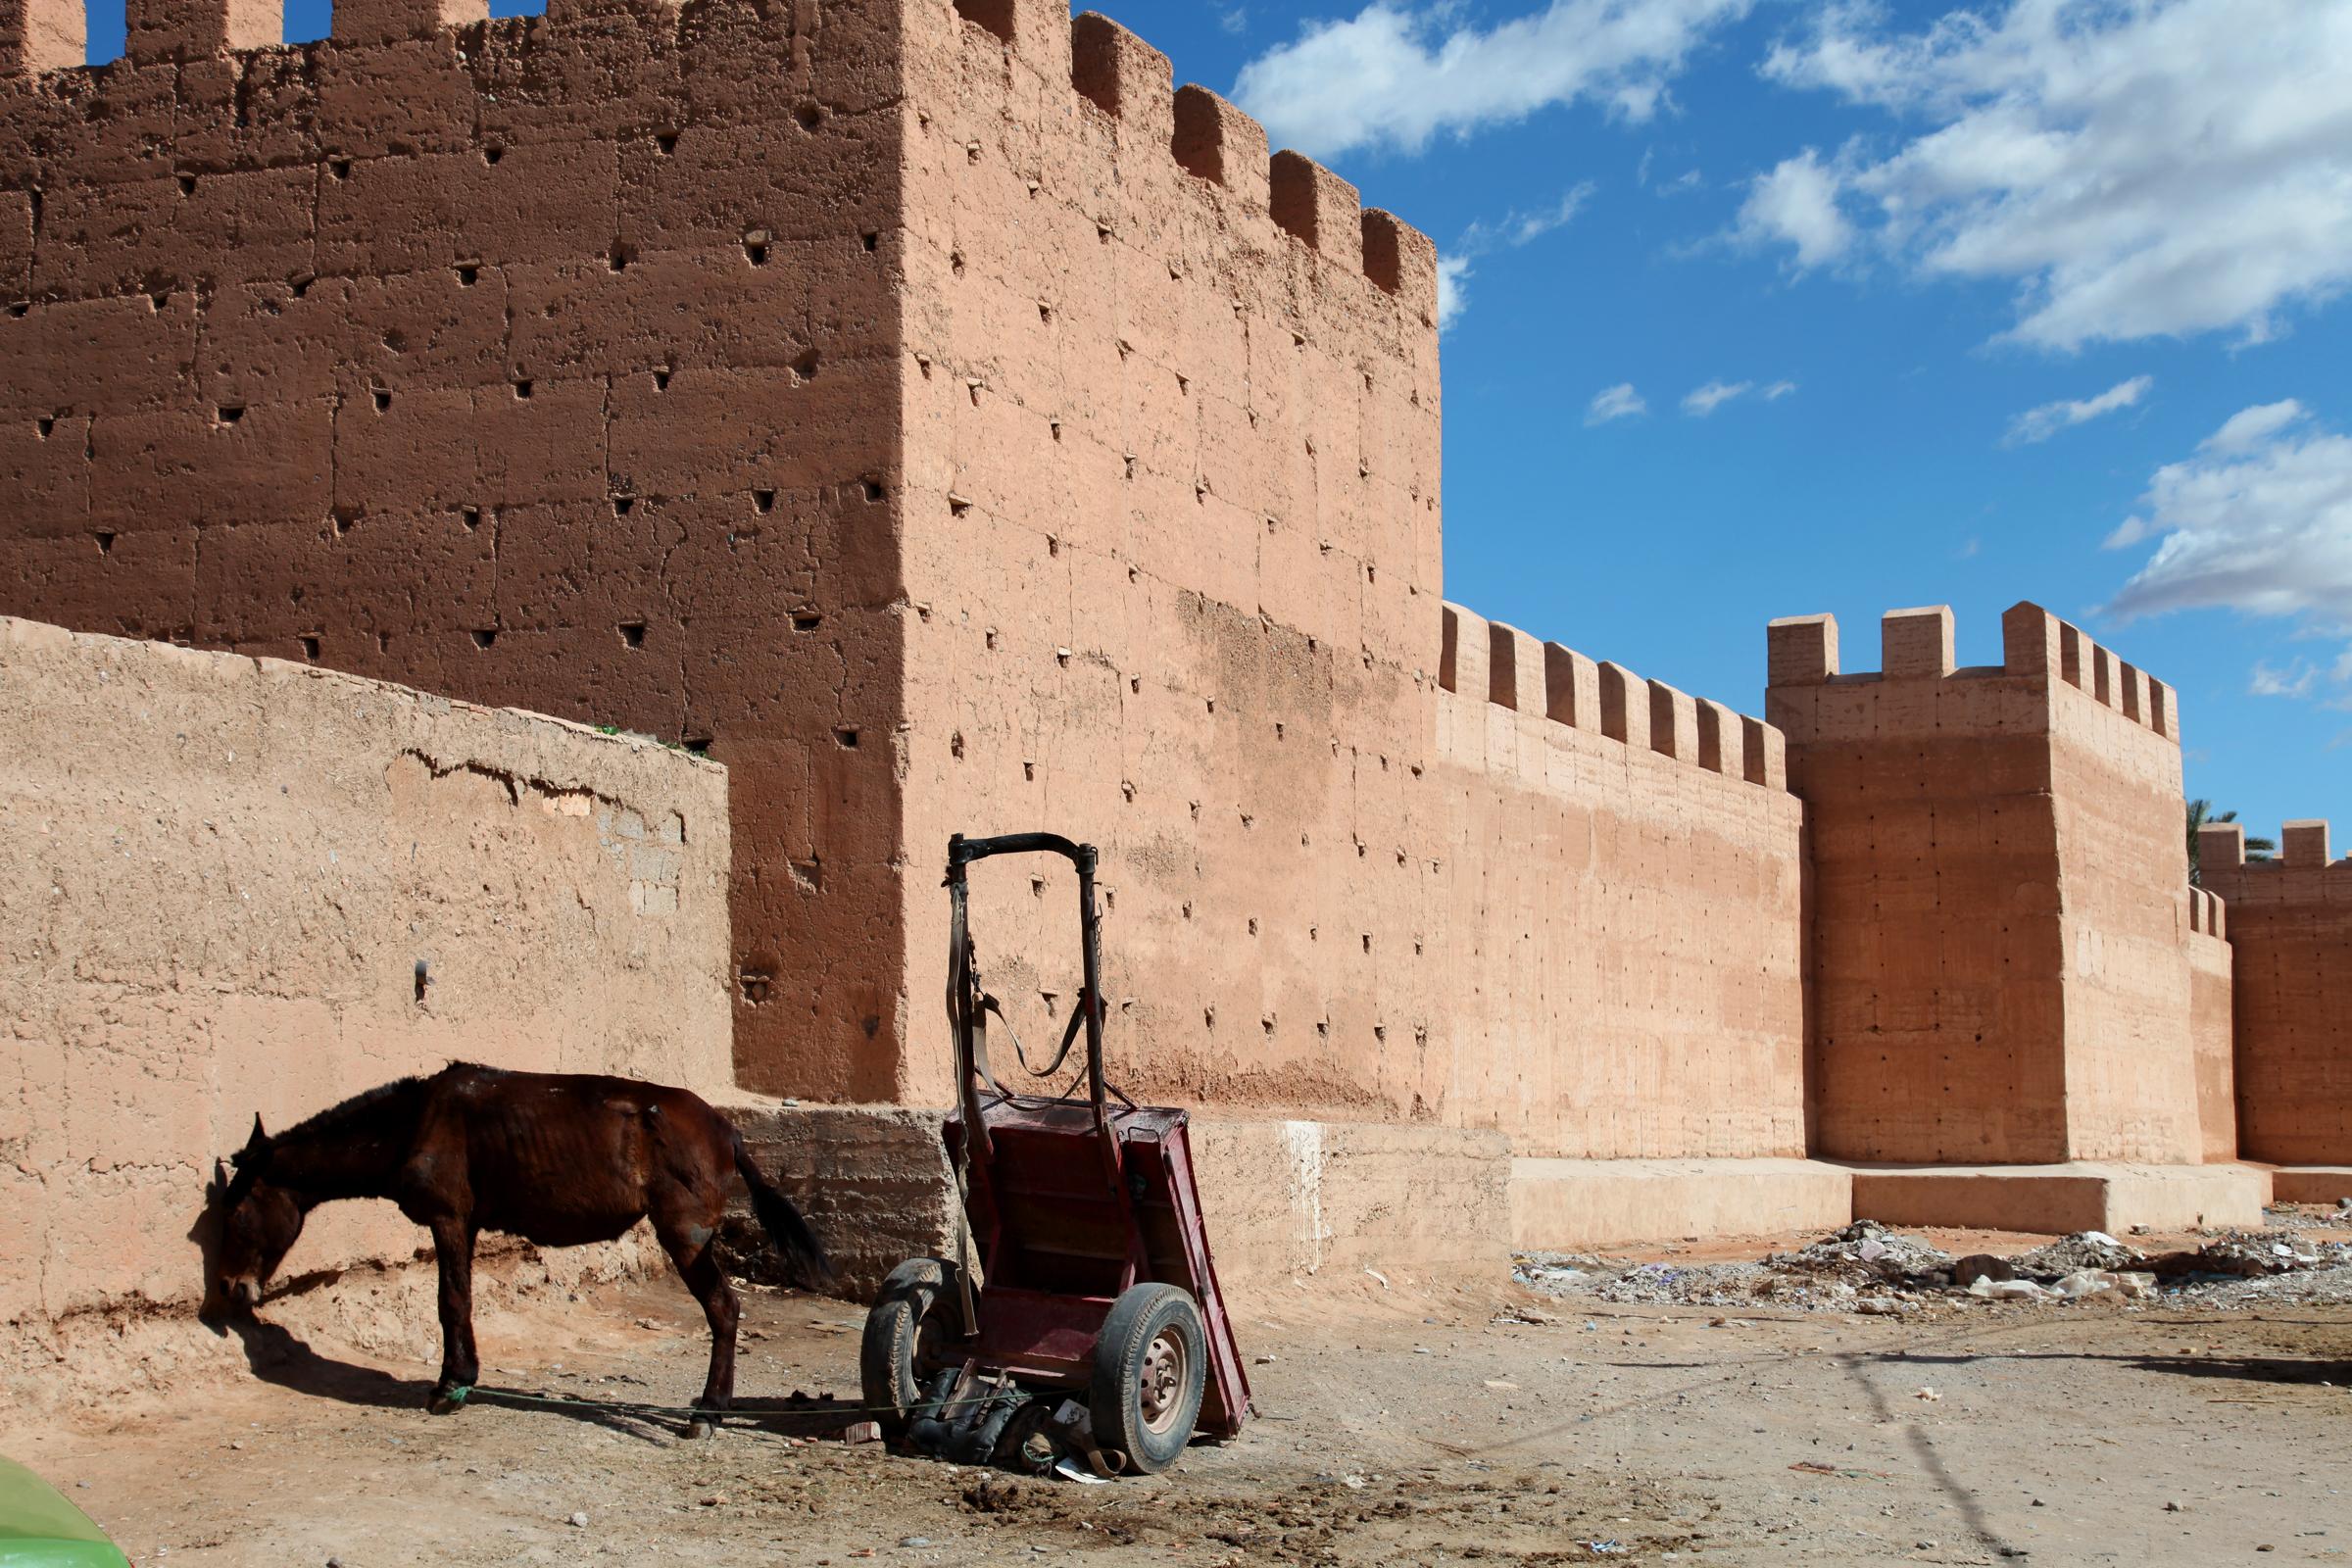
[(1870, 1269)]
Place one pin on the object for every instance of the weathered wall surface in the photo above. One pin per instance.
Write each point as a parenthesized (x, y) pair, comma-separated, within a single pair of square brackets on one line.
[(1619, 937), (1997, 970), (549, 362), (2212, 1033), (1172, 447), (2289, 926), (230, 885)]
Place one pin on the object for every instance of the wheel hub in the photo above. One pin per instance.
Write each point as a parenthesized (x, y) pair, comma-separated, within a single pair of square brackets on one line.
[(1161, 1386)]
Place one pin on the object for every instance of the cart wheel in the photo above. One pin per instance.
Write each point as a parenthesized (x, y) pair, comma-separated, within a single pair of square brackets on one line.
[(1151, 1365), (899, 1329)]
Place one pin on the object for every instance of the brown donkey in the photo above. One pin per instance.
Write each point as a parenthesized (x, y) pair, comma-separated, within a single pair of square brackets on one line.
[(558, 1160)]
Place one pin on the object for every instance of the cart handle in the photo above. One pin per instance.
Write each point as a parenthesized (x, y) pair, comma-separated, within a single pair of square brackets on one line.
[(962, 852)]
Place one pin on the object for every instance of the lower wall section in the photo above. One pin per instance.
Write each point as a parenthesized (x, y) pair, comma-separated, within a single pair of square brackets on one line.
[(2061, 1200), (1569, 1205), (1284, 1200), (231, 886)]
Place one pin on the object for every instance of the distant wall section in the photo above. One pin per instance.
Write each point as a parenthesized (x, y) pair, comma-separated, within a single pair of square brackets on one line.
[(2212, 1033), (233, 886), (2291, 929), (1998, 899)]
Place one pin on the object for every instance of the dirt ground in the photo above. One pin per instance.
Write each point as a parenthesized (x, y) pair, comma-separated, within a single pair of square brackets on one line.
[(1396, 1428)]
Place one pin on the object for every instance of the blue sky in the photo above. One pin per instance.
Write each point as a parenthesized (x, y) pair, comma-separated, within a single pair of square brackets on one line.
[(1762, 307)]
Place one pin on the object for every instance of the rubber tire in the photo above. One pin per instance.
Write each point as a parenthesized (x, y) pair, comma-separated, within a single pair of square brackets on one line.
[(1114, 1399), (886, 1369)]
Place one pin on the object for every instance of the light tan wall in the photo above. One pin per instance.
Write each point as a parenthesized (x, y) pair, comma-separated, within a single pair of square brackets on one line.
[(2289, 924), (266, 348), (1998, 972), (218, 880), (1617, 950), (2211, 1032)]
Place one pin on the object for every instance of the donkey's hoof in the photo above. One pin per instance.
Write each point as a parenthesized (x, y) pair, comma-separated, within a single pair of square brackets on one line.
[(700, 1427), (447, 1401)]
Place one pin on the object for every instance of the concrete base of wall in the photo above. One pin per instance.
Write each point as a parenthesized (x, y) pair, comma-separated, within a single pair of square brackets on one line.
[(1572, 1205), (2311, 1184), (1284, 1200), (2061, 1200)]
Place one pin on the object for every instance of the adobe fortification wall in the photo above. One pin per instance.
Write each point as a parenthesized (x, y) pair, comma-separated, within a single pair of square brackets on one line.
[(234, 885), (1999, 971), (1172, 538), (549, 362), (2290, 930), (1620, 936), (2212, 1032)]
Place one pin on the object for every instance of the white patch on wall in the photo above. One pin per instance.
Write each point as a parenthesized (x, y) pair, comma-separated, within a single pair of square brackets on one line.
[(1304, 1142)]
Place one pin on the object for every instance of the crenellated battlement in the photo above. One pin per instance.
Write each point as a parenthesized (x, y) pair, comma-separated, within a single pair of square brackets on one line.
[(2301, 870), (1918, 646), (205, 87), (1513, 671), (2208, 915)]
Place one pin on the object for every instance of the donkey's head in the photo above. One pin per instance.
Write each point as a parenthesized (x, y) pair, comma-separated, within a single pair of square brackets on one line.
[(259, 1222)]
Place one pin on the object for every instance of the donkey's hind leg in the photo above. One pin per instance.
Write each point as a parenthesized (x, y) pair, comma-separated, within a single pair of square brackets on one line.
[(452, 1249), (689, 1248)]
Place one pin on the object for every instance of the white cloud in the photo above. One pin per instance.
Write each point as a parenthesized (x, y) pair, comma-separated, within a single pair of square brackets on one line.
[(2042, 423), (1516, 228), (1395, 74), (1797, 204), (2259, 521), (1453, 289), (1619, 401), (2135, 168), (2293, 681), (1705, 400), (1702, 401), (1234, 18), (2251, 427)]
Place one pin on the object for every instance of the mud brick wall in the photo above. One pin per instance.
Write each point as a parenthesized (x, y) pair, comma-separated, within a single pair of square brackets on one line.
[(1998, 907), (547, 361), (2290, 931), (1620, 874), (2212, 1034), (232, 885), (1172, 541)]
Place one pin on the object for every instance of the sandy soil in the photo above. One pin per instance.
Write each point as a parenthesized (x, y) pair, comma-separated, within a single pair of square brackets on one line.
[(1395, 1429)]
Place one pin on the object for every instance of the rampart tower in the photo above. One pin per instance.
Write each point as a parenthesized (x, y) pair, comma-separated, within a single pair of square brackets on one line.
[(1999, 904), (922, 406)]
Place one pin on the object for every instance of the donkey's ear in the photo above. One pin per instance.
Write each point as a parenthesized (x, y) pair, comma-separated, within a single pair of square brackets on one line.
[(260, 1139)]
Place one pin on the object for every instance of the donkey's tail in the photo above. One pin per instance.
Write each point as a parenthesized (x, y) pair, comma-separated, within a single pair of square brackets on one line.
[(802, 1253)]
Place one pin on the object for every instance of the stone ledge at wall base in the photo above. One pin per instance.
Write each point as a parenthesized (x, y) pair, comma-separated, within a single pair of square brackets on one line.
[(1284, 1201), (2062, 1200), (1574, 1204), (2311, 1184)]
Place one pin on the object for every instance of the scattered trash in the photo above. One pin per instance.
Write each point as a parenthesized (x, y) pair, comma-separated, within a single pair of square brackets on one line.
[(1606, 1548), (579, 1521), (1380, 1279), (862, 1432), (1262, 1360), (1071, 1470), (1981, 1266), (1869, 1269), (1929, 1395)]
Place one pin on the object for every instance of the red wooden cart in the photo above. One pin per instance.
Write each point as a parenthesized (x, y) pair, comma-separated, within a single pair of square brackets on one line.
[(1095, 1279)]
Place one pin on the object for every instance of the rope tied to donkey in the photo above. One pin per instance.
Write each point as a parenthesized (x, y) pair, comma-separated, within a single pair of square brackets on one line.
[(459, 1395)]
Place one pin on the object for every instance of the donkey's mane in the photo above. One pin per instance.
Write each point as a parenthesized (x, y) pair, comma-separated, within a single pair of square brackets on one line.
[(397, 1098)]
